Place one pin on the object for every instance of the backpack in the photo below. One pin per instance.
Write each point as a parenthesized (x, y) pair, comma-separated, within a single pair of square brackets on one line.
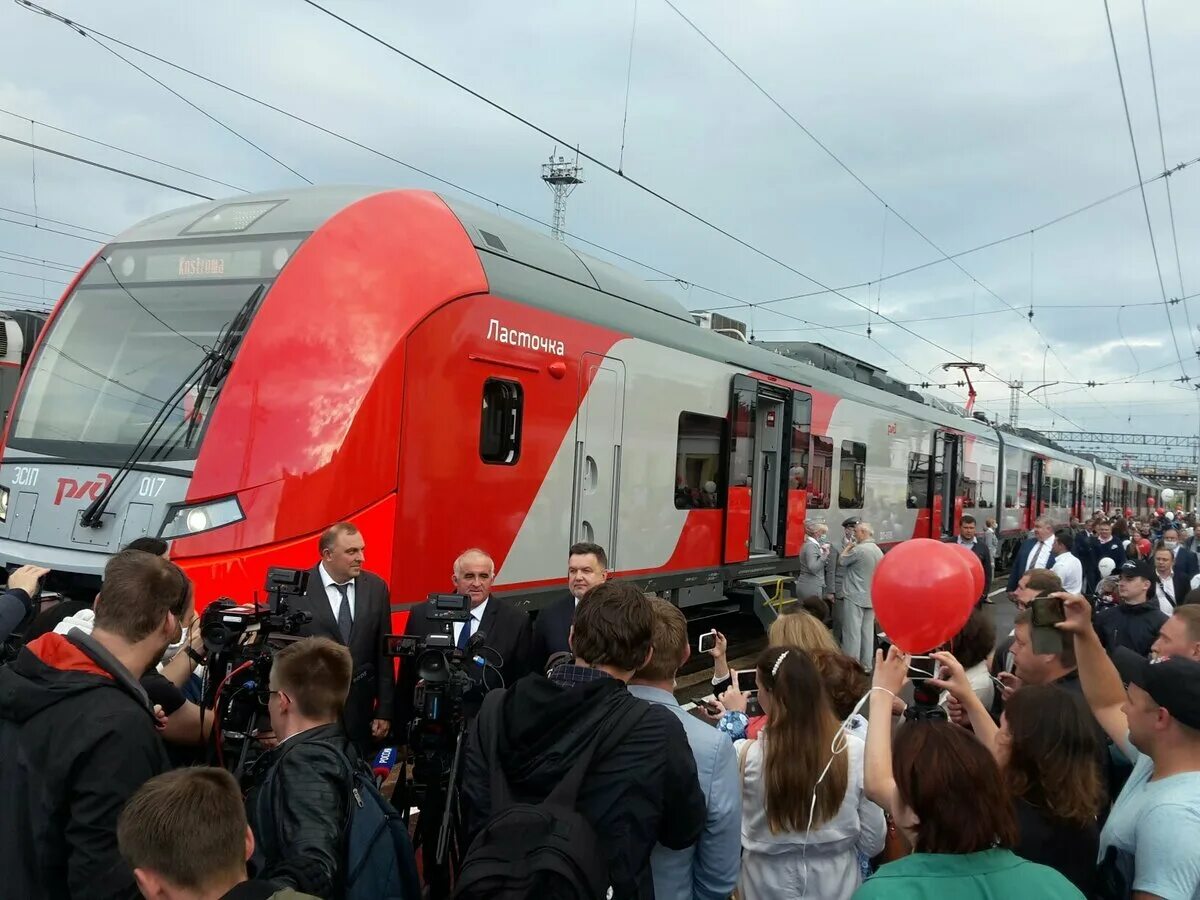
[(547, 850), (378, 861)]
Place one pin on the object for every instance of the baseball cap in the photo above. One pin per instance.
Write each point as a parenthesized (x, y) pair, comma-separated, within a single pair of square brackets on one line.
[(1173, 682), (1137, 568), (851, 522)]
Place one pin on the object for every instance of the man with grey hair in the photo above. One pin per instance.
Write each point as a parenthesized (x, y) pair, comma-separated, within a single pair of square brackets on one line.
[(857, 562), (1035, 553), (810, 577), (498, 632), (353, 607)]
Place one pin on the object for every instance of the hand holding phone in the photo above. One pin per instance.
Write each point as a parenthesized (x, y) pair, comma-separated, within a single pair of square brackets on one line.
[(747, 681), (707, 642)]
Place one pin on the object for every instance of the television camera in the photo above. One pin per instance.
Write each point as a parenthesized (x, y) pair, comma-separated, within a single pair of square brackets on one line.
[(242, 641), (435, 737)]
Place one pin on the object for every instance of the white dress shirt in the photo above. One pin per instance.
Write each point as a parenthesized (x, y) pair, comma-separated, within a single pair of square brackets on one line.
[(476, 620), (1168, 602), (1070, 570), (1039, 554), (334, 595)]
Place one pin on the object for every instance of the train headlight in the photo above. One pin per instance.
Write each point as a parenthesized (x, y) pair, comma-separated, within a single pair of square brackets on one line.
[(184, 520), (3, 504)]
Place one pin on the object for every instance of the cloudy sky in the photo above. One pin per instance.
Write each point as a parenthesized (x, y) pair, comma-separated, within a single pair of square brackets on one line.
[(973, 121)]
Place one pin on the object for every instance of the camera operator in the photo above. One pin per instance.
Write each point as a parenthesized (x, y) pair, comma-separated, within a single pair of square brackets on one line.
[(353, 607), (298, 809), (173, 859), (507, 642), (77, 735)]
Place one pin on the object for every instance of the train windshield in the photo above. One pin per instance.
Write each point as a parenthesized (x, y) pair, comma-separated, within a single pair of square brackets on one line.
[(138, 325)]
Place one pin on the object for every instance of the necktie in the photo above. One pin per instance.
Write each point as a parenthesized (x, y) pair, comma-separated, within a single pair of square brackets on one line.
[(345, 621), (465, 635)]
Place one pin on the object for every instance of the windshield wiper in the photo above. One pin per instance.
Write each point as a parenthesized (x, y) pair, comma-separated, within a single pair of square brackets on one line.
[(209, 372)]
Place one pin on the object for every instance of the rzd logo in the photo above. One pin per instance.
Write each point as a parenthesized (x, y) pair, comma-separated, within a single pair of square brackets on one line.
[(71, 489)]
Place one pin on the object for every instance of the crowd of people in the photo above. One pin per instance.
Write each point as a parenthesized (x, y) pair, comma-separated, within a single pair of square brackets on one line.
[(1060, 761)]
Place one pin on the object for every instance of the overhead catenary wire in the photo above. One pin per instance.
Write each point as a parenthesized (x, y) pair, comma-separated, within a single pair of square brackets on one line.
[(1162, 148), (36, 227), (133, 153), (1145, 204), (80, 28), (99, 165), (42, 218)]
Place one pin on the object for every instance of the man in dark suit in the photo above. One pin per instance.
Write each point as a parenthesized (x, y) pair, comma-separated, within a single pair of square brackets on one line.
[(1186, 564), (968, 538), (1105, 546), (587, 566), (506, 646), (1035, 553), (353, 607)]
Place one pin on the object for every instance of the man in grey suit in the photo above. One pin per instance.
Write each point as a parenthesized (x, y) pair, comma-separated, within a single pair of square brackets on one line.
[(857, 563), (810, 577), (835, 591), (353, 607)]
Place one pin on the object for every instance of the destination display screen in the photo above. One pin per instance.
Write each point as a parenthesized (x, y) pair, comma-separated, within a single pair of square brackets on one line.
[(192, 261)]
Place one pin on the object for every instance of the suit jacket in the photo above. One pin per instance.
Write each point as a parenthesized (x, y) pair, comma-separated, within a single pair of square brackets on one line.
[(1022, 560), (1186, 564), (984, 555), (372, 684), (551, 630), (810, 577), (509, 647)]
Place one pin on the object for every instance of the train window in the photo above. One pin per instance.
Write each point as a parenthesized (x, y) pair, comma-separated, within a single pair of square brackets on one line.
[(1010, 489), (987, 486), (801, 438), (969, 486), (918, 481), (852, 475), (698, 462), (820, 473), (500, 423), (1023, 491)]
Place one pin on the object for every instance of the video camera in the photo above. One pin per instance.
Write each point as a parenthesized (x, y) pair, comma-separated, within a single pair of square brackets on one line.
[(435, 737), (241, 642)]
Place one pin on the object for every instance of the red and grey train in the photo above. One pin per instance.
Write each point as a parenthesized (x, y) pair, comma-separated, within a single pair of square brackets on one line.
[(237, 375)]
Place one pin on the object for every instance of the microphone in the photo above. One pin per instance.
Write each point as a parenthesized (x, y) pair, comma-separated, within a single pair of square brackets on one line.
[(476, 642), (384, 762)]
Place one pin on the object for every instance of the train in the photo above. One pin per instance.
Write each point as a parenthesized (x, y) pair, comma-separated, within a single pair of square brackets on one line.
[(237, 375), (19, 330)]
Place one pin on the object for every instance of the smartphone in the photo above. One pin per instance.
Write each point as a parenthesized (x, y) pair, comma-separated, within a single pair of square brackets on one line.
[(747, 681), (922, 667), (710, 708), (707, 642), (1045, 611)]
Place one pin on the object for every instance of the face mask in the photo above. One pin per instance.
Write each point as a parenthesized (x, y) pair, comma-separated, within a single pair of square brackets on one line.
[(1170, 545)]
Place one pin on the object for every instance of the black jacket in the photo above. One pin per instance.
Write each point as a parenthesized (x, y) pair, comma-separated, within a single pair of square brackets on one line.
[(644, 792), (1135, 627), (373, 679), (77, 739), (508, 648), (298, 811), (551, 630), (984, 555), (15, 607)]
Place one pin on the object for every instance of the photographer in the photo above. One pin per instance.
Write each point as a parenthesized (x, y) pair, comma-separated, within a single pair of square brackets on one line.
[(77, 735), (299, 808)]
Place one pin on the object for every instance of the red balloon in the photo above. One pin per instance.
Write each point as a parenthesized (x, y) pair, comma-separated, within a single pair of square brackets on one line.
[(1129, 513), (974, 565), (1150, 502), (1160, 510), (923, 592)]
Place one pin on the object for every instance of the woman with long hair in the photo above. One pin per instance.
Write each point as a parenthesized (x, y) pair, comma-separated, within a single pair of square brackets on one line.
[(796, 628), (1049, 752), (805, 817), (947, 796)]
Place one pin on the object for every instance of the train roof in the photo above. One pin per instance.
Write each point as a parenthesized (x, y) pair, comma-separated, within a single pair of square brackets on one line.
[(530, 267)]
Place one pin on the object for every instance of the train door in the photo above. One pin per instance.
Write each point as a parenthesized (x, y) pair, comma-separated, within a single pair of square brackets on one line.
[(1077, 495), (759, 447), (796, 486), (947, 483), (1038, 495), (598, 453)]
